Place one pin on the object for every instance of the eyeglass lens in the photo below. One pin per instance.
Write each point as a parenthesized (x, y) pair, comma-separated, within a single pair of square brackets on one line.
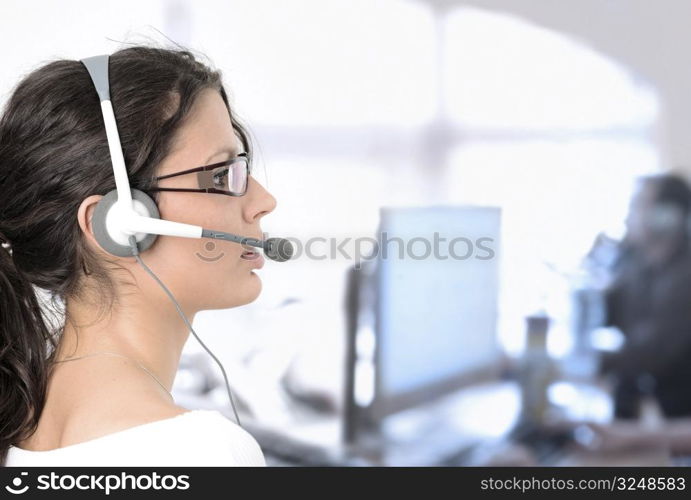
[(232, 178)]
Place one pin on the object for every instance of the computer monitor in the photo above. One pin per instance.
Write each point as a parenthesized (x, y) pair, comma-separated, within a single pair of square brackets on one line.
[(426, 307)]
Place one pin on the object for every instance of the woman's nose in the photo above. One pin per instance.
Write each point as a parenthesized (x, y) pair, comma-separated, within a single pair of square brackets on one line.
[(259, 201)]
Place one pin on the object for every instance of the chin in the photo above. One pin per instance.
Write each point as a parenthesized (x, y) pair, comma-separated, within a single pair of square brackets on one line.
[(249, 292)]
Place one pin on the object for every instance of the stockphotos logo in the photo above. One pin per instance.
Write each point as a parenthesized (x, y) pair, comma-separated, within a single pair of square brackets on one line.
[(17, 487), (103, 483)]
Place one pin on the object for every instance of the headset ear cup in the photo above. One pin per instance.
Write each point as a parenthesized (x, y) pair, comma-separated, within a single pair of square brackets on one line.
[(98, 223), (151, 211)]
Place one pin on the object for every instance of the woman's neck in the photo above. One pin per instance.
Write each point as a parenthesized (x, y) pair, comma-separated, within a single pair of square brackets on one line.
[(154, 334)]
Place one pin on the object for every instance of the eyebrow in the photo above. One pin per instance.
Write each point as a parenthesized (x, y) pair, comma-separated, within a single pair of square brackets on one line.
[(234, 151)]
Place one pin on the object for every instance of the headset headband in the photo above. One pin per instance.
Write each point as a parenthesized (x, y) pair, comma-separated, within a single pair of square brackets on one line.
[(98, 70)]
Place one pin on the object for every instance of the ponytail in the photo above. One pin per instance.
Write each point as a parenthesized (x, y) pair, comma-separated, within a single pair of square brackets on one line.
[(23, 364)]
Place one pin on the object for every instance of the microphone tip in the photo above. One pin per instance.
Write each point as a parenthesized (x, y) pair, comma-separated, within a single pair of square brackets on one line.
[(278, 249)]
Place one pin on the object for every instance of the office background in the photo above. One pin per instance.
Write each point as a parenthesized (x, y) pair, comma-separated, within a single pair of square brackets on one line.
[(548, 110)]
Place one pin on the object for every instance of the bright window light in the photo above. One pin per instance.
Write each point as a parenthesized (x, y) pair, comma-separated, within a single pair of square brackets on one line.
[(354, 62)]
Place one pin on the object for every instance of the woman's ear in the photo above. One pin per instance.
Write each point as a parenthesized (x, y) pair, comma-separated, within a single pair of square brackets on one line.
[(84, 217)]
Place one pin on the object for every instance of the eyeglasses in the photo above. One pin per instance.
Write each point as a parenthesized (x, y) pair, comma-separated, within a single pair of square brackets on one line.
[(228, 177)]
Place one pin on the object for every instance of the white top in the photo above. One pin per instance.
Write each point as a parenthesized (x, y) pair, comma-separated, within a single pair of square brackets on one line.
[(193, 438)]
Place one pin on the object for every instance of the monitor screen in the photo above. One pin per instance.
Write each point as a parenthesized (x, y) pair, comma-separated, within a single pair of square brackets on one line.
[(436, 291)]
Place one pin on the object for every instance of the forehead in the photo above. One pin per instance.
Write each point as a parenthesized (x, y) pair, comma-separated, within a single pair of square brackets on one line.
[(206, 131)]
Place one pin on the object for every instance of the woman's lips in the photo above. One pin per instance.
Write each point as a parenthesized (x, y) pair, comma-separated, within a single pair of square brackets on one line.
[(255, 258)]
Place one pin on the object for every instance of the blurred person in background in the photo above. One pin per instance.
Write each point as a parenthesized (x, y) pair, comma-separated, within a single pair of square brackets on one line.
[(649, 300)]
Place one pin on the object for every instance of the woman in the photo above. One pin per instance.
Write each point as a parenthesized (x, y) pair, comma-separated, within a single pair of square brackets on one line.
[(112, 405)]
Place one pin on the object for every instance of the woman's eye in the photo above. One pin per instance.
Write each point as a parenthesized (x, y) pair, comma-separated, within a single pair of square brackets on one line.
[(221, 179)]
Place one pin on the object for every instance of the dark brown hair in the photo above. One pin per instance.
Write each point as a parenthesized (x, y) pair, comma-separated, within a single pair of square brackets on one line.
[(53, 155)]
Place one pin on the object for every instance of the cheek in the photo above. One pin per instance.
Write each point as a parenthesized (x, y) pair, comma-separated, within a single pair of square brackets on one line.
[(208, 274), (214, 253), (203, 274)]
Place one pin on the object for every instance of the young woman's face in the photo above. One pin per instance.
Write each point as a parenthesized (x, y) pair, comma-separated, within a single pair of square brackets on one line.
[(205, 273)]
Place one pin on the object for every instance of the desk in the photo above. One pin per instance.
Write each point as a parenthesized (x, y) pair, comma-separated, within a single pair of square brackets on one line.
[(507, 454), (576, 402), (472, 424), (633, 458)]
